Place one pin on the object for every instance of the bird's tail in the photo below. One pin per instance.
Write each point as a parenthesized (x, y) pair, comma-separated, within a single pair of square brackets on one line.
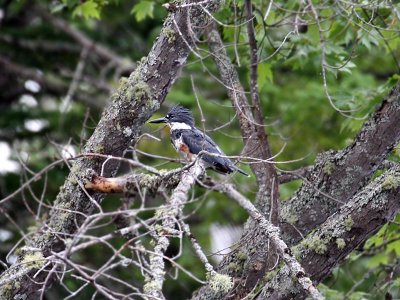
[(240, 171)]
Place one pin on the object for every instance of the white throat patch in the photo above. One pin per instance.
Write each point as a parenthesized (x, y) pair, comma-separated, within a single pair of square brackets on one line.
[(179, 125)]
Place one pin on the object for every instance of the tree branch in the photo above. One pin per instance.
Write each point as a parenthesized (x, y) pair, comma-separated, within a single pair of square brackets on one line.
[(341, 233), (258, 116), (337, 176), (169, 215), (288, 176), (133, 102), (101, 50), (257, 146)]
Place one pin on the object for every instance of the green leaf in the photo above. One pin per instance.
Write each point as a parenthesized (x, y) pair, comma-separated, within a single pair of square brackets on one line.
[(89, 9), (264, 74), (395, 246), (330, 293), (377, 260), (143, 9)]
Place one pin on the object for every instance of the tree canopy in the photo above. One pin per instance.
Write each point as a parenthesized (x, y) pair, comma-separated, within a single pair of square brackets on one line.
[(95, 202)]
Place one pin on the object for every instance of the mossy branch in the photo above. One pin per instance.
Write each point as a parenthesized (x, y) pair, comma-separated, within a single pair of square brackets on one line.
[(324, 248)]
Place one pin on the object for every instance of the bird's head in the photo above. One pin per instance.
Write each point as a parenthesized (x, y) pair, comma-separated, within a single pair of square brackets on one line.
[(177, 115)]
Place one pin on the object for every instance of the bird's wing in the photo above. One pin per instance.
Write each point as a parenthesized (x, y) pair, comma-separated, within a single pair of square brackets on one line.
[(198, 141)]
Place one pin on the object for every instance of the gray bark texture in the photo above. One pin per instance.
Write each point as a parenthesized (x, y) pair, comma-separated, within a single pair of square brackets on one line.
[(335, 210), (133, 102), (256, 146), (336, 178), (341, 233), (339, 175)]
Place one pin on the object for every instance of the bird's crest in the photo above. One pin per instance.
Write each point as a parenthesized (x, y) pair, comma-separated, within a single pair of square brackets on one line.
[(179, 113)]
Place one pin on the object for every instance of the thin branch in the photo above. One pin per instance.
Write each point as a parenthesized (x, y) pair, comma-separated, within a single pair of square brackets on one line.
[(272, 232), (179, 196), (288, 176), (84, 40)]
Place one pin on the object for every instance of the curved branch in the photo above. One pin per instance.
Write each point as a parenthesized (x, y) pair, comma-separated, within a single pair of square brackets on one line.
[(133, 102), (338, 176), (341, 233), (257, 146), (169, 216)]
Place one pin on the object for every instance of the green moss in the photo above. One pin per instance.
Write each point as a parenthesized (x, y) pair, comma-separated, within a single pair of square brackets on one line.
[(340, 243), (234, 267), (160, 212), (328, 167), (123, 82), (151, 286), (159, 228), (34, 260), (170, 34), (7, 289), (241, 255), (348, 223), (390, 183), (296, 251), (219, 283), (143, 60), (316, 244), (99, 148), (269, 276), (291, 218), (140, 90)]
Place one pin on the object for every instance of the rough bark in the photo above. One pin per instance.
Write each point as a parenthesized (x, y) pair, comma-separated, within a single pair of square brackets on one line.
[(134, 101), (339, 235), (169, 215), (337, 176), (256, 146)]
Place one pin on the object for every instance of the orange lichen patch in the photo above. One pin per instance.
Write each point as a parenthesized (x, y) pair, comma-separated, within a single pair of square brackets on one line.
[(105, 185)]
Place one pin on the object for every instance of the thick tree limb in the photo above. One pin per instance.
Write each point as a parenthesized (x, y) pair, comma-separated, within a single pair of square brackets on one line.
[(257, 146), (134, 101), (272, 233), (337, 176), (341, 233), (131, 183)]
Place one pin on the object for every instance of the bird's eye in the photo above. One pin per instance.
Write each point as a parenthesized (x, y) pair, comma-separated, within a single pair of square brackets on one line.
[(168, 116)]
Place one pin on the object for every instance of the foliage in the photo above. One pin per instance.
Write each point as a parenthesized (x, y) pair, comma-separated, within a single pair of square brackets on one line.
[(352, 58)]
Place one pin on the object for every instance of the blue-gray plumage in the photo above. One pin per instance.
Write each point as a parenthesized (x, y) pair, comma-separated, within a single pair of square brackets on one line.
[(189, 141)]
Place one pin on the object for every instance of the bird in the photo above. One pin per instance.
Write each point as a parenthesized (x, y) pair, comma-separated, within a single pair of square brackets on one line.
[(190, 141)]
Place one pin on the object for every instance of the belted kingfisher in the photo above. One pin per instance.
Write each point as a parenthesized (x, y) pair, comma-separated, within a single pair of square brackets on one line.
[(189, 141)]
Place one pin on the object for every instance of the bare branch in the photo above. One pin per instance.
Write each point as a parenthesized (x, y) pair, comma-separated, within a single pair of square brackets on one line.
[(272, 233), (169, 216), (341, 233), (134, 101), (311, 205), (288, 176), (84, 40)]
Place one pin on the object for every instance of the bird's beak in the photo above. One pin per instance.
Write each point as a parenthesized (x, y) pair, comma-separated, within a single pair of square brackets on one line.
[(160, 120)]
